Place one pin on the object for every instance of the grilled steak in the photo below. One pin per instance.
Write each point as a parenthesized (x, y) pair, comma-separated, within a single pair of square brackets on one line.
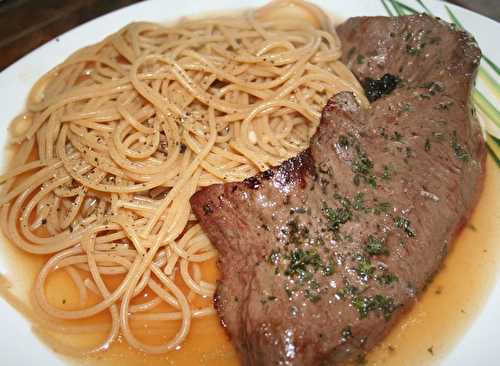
[(320, 255)]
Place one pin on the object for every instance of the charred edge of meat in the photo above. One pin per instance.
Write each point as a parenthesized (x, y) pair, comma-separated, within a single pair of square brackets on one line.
[(343, 102), (377, 88), (218, 302), (291, 170)]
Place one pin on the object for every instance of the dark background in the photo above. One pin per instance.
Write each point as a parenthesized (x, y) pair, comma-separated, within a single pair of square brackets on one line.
[(27, 24)]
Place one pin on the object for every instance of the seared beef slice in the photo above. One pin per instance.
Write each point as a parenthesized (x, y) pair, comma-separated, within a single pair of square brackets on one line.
[(320, 255)]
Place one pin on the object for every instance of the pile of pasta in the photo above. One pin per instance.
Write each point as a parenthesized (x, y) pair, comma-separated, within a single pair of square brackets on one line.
[(117, 138)]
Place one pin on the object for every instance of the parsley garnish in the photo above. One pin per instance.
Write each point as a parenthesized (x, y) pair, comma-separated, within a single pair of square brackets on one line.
[(460, 152), (405, 224), (381, 303), (387, 278), (346, 333), (376, 246), (382, 207), (337, 217), (365, 268), (359, 201), (427, 145)]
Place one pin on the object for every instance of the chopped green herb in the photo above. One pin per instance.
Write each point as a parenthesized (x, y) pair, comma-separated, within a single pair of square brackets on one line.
[(460, 152), (348, 238), (434, 87), (408, 152), (381, 131), (387, 278), (427, 145), (444, 106), (207, 209), (361, 166), (382, 207), (412, 50), (329, 268), (361, 304), (337, 217), (379, 302), (293, 227), (397, 136), (297, 233), (314, 285), (359, 201), (376, 246), (365, 268), (386, 174), (405, 224), (348, 290), (343, 141), (344, 201), (302, 263), (312, 295), (372, 181), (346, 333), (385, 305), (274, 257)]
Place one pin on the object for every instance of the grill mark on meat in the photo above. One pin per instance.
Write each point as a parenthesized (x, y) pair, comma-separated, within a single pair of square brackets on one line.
[(292, 170), (320, 255)]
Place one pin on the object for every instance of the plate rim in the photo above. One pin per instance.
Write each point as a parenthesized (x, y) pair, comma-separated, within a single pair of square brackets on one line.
[(50, 47)]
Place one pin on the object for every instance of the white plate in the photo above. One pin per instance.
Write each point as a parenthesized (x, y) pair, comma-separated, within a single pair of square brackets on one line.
[(18, 346)]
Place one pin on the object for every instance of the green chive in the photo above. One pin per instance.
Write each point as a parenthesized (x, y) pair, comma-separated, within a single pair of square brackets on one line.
[(406, 7), (495, 140), (420, 2), (387, 9), (493, 146), (492, 65), (396, 7), (453, 18), (491, 83), (486, 107)]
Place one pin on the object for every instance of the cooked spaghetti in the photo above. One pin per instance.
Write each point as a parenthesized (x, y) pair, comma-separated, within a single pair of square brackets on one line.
[(117, 138)]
